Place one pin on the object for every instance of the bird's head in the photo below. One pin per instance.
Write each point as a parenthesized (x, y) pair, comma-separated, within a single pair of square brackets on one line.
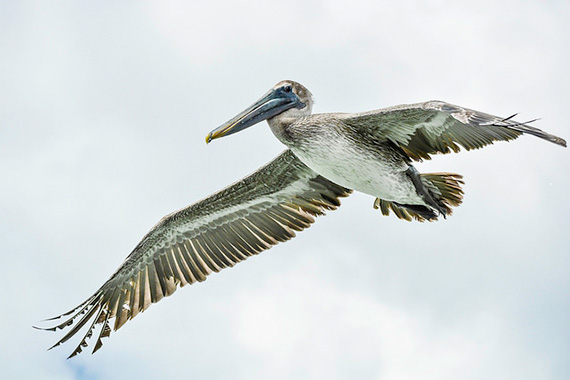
[(287, 99)]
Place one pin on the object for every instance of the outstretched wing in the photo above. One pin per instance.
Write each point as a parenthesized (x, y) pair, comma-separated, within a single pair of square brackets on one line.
[(433, 127), (227, 227)]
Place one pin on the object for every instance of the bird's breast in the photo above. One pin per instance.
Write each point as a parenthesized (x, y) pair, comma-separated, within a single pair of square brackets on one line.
[(371, 168)]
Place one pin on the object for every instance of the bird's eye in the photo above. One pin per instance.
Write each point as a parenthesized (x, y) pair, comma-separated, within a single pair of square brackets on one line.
[(288, 88)]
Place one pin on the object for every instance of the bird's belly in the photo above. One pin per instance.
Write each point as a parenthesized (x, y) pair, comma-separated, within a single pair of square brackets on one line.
[(367, 171)]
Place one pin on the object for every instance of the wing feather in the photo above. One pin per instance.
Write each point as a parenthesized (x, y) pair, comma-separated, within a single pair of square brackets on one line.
[(220, 231), (423, 129)]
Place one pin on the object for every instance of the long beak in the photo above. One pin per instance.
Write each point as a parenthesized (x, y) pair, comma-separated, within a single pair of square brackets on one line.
[(271, 104)]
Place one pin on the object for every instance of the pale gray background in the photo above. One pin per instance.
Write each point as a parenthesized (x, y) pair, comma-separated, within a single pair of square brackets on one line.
[(104, 107)]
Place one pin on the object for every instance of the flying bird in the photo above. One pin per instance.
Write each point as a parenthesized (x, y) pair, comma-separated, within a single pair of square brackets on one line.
[(327, 157)]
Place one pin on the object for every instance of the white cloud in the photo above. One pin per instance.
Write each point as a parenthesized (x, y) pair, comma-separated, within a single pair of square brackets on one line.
[(331, 332)]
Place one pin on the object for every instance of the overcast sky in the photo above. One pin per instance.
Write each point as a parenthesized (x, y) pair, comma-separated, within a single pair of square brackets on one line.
[(104, 107)]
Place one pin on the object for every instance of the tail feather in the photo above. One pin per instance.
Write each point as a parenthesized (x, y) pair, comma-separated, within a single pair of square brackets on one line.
[(445, 189)]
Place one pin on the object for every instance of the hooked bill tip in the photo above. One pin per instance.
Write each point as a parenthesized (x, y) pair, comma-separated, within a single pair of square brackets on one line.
[(208, 138)]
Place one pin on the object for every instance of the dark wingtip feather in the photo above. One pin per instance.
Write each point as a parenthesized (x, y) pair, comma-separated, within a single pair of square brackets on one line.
[(45, 328), (526, 128), (557, 140)]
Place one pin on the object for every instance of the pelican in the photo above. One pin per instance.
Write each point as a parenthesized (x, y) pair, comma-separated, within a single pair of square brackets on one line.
[(327, 157)]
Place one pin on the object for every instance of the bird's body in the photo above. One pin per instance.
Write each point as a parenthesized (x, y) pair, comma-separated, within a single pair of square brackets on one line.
[(331, 148), (328, 156)]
